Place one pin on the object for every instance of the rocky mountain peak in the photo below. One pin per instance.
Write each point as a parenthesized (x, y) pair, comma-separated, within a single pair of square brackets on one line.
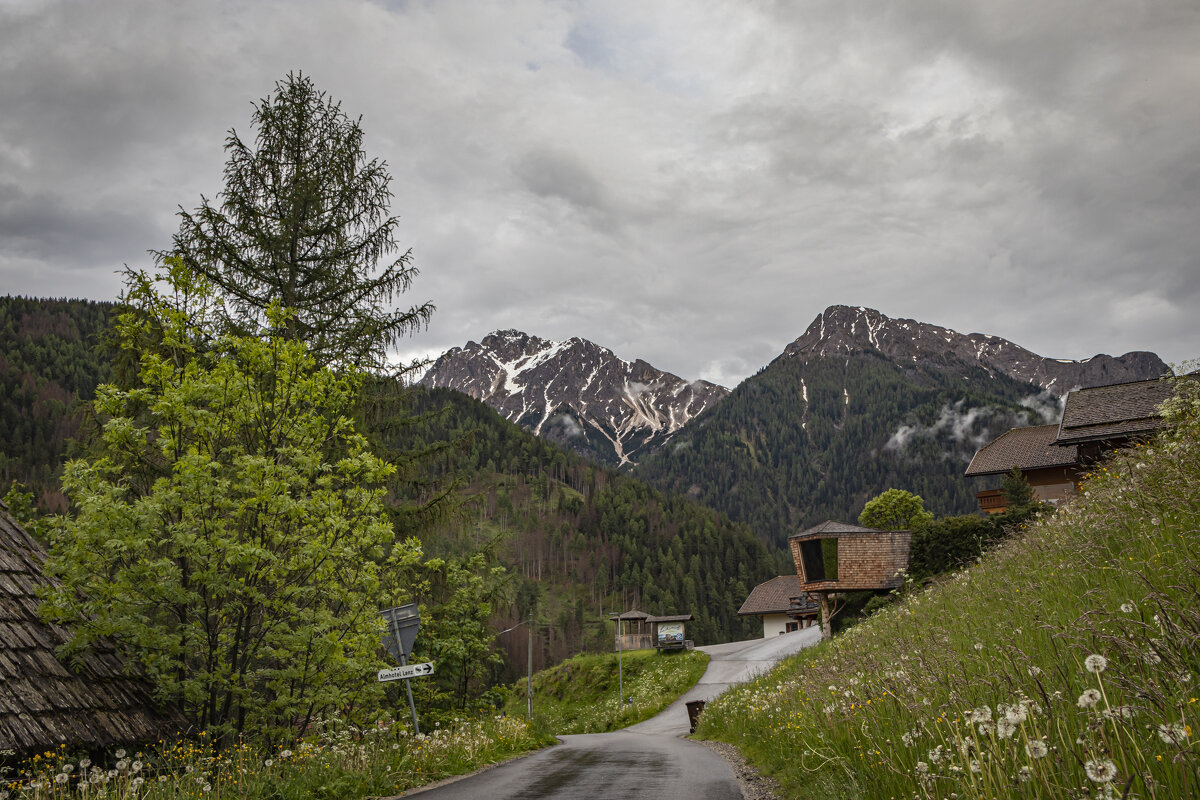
[(575, 392), (842, 330)]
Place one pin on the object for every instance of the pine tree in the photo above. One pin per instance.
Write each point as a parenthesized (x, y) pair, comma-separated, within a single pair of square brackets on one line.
[(304, 221)]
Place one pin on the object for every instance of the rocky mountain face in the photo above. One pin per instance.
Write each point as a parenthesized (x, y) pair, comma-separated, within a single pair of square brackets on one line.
[(862, 403), (841, 330), (575, 393)]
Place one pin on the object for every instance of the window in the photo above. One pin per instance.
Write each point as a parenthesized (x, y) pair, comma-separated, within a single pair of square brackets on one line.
[(820, 559), (792, 626)]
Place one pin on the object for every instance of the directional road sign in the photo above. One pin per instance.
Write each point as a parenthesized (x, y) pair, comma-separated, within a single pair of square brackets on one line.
[(409, 671)]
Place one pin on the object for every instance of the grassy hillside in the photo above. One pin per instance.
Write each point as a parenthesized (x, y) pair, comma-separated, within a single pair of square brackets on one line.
[(1064, 665), (581, 695)]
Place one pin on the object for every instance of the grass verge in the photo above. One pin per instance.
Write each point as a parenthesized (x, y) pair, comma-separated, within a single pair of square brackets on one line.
[(1062, 665), (336, 761), (580, 695)]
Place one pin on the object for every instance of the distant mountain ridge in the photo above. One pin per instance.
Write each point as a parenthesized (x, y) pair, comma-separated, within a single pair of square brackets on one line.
[(847, 329), (575, 393), (861, 403)]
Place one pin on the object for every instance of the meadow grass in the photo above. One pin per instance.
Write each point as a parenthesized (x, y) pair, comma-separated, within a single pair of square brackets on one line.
[(1061, 665), (580, 695), (335, 761)]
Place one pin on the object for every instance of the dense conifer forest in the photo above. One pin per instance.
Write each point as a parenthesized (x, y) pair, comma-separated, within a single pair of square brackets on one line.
[(51, 358), (806, 441)]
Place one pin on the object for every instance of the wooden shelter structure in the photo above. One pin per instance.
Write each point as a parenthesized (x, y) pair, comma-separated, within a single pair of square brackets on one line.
[(782, 605), (836, 557), (637, 630), (100, 701)]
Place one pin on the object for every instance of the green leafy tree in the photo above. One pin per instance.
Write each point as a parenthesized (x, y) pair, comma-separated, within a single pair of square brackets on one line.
[(304, 221), (230, 527), (895, 510)]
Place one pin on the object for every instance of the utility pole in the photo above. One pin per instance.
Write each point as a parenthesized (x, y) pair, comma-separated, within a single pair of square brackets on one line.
[(620, 669), (529, 671)]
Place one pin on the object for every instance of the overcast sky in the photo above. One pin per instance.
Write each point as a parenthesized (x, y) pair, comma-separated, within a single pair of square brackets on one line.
[(686, 182)]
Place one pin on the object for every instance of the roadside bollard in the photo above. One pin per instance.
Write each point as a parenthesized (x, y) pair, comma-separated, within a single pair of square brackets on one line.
[(694, 707)]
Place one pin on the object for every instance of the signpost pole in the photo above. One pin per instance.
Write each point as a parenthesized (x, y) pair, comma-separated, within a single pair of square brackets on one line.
[(620, 669), (529, 672), (407, 684)]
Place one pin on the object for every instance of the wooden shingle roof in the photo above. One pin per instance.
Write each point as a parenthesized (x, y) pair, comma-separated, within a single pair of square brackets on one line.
[(101, 701), (1119, 411), (1025, 449), (773, 596), (832, 528)]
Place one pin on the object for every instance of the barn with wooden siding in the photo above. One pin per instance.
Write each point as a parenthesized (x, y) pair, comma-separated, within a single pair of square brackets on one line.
[(99, 702)]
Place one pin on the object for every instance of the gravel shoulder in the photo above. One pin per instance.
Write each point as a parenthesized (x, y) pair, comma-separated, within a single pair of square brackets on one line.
[(754, 785)]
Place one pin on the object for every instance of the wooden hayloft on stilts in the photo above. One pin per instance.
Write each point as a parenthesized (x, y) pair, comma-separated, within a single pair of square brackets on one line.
[(836, 557), (45, 703)]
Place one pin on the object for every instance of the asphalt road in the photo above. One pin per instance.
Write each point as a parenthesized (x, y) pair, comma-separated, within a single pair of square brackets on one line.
[(650, 759)]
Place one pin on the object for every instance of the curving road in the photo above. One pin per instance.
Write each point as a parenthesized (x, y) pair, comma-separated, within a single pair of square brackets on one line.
[(650, 759)]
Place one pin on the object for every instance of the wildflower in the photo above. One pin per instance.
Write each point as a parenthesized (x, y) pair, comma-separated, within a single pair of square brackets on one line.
[(61, 778), (1127, 608), (1089, 698), (1005, 728), (137, 766), (122, 765), (162, 778), (136, 782), (1100, 771), (981, 714), (1024, 774), (907, 739), (978, 647), (206, 788), (1035, 671), (270, 762), (1036, 748), (1173, 733), (975, 766), (285, 753), (119, 753), (1095, 663), (84, 763), (922, 768)]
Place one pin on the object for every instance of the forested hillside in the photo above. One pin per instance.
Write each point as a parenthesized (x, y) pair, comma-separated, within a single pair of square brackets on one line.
[(812, 439), (581, 540), (50, 359)]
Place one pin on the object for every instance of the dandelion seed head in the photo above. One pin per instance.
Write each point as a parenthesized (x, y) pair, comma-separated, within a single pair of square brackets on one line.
[(1089, 698), (1172, 733), (1100, 770), (1036, 748), (1095, 663)]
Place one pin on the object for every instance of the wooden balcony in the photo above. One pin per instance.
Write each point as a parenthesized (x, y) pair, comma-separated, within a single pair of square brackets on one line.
[(992, 501)]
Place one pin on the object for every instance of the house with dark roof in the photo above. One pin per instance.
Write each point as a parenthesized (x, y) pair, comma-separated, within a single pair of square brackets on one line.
[(1104, 418), (1095, 421), (1052, 470), (98, 700), (781, 604), (835, 557)]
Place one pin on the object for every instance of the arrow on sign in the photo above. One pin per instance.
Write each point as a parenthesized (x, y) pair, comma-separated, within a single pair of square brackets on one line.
[(410, 671)]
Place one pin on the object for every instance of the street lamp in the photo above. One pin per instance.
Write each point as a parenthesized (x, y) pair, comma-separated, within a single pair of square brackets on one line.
[(529, 662), (620, 669)]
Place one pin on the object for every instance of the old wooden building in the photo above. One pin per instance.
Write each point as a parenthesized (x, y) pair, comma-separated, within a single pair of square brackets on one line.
[(1052, 470), (637, 630), (835, 557), (98, 702), (1052, 458)]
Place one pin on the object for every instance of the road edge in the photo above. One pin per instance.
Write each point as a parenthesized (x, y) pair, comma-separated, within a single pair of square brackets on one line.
[(754, 785)]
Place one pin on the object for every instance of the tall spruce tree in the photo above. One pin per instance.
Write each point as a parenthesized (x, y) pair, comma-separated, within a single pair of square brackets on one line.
[(304, 221)]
